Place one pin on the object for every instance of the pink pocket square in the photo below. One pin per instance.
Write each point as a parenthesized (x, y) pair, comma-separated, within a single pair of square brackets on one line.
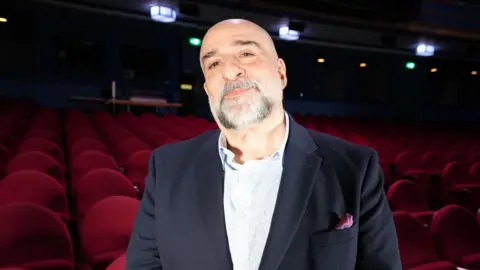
[(345, 222)]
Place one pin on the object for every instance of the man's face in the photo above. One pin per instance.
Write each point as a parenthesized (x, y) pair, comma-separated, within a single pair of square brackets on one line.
[(244, 79)]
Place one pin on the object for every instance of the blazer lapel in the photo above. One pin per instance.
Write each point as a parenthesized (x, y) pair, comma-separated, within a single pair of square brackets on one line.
[(301, 166), (210, 186)]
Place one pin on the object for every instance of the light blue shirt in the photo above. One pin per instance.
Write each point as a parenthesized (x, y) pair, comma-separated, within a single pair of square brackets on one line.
[(250, 194)]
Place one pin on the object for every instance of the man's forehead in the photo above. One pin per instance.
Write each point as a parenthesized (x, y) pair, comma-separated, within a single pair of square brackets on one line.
[(217, 39)]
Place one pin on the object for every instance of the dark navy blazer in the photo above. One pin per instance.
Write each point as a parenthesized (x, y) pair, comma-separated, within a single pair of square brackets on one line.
[(180, 224)]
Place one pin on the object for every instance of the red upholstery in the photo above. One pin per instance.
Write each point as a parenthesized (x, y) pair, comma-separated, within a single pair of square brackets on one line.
[(99, 184), (456, 174), (456, 234), (52, 246), (440, 265), (106, 229), (136, 168), (45, 134), (404, 195), (475, 172), (38, 161), (128, 148), (44, 146), (407, 162), (432, 162), (85, 144), (416, 247), (37, 188), (4, 159), (89, 160), (119, 263)]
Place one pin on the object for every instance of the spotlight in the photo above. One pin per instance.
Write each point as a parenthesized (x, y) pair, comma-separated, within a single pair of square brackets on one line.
[(287, 34), (433, 70), (474, 72), (363, 65), (425, 49), (163, 14), (321, 60)]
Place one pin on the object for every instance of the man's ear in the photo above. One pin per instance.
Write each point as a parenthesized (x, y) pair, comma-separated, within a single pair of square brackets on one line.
[(282, 71), (205, 88)]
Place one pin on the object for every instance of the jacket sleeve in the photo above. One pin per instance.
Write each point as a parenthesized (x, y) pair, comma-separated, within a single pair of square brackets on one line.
[(142, 252), (378, 244)]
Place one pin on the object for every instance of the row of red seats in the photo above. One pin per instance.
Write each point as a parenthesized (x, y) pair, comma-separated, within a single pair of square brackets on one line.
[(38, 178), (452, 240), (90, 158), (89, 150), (33, 140), (34, 237), (390, 139), (14, 120), (405, 195)]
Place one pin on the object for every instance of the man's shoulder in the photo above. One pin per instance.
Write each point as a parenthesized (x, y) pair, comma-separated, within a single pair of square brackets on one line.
[(335, 146)]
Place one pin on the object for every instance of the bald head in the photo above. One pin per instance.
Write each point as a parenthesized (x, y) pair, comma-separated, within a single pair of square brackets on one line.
[(244, 77), (242, 32)]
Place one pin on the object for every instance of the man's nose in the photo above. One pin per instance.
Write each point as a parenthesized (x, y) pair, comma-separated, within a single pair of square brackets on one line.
[(232, 71)]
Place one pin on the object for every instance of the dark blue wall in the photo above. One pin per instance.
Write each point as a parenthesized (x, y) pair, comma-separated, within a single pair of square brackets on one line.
[(337, 87)]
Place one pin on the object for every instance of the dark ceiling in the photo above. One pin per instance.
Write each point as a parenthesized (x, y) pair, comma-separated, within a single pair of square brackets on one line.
[(452, 25), (446, 18)]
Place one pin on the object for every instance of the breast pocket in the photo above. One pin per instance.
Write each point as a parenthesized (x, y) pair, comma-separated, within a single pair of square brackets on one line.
[(334, 249)]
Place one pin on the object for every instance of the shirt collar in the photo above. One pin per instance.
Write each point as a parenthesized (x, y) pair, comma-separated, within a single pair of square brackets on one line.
[(228, 156)]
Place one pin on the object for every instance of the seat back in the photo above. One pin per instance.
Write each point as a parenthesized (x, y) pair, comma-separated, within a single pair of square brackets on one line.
[(407, 161), (119, 263), (44, 146), (85, 144), (38, 161), (456, 173), (99, 184), (456, 232), (34, 237), (404, 195), (34, 187), (106, 229), (136, 168), (414, 241), (89, 160)]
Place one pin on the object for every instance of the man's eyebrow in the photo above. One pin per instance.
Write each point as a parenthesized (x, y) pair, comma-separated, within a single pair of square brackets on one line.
[(237, 43), (208, 55), (246, 43)]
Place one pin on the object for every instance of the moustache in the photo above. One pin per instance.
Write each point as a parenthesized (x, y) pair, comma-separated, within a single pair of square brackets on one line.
[(242, 84)]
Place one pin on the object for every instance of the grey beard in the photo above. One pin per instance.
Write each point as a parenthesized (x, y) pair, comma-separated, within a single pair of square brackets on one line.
[(261, 113)]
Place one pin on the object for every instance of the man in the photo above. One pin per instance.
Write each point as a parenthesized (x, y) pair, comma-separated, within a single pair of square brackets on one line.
[(263, 192)]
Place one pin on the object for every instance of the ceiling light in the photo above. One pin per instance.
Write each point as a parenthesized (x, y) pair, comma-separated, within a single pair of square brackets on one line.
[(287, 34), (321, 60), (433, 70), (474, 72), (186, 86), (363, 65), (3, 20), (163, 14), (425, 49)]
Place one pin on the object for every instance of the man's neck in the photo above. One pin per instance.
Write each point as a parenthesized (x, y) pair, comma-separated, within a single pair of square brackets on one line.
[(259, 141)]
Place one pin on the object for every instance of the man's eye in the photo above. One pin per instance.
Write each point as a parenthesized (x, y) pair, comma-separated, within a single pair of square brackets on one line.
[(246, 54), (214, 64)]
